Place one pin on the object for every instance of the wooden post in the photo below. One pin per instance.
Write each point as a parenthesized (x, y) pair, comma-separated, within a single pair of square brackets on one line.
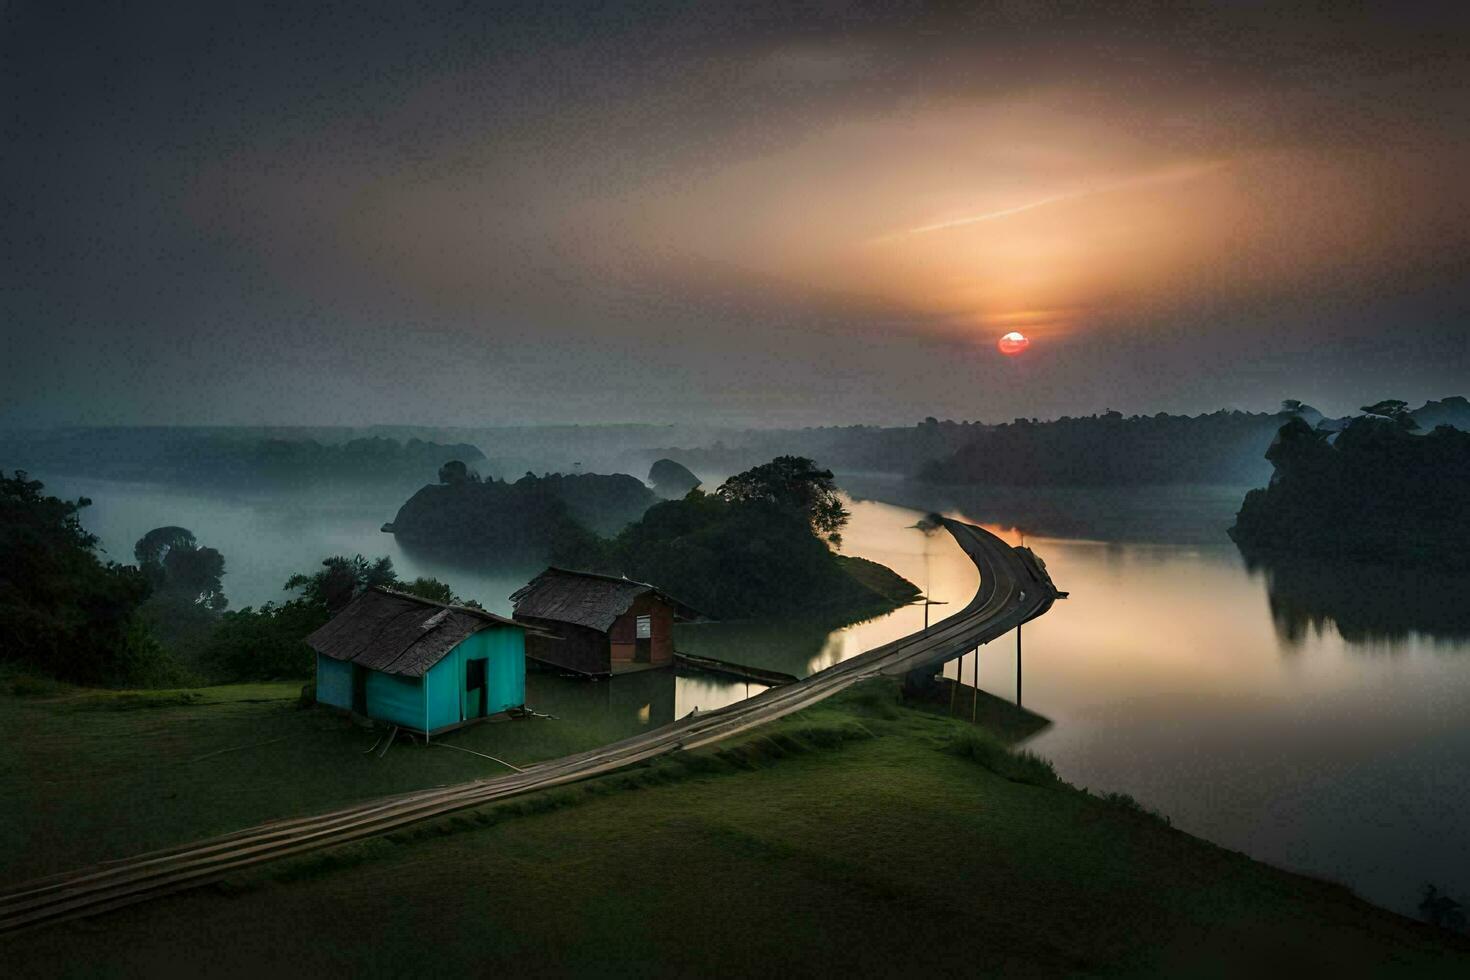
[(975, 694), (959, 675), (1018, 665)]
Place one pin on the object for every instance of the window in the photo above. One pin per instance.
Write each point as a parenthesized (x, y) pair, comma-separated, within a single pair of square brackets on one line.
[(474, 674), (645, 627)]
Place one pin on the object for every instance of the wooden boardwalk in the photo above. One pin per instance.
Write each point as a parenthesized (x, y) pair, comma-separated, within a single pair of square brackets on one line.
[(1014, 588), (741, 672)]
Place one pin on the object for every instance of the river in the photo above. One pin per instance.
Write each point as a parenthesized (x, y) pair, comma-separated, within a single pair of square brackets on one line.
[(1314, 719)]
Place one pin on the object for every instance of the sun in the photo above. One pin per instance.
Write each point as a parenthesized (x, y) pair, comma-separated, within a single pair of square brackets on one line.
[(1013, 343)]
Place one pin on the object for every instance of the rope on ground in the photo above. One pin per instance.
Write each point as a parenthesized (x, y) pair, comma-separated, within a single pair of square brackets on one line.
[(234, 748), (460, 748)]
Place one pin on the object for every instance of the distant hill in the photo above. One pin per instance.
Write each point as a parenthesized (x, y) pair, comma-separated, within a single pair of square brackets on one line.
[(225, 456), (1453, 411), (849, 448), (1113, 450)]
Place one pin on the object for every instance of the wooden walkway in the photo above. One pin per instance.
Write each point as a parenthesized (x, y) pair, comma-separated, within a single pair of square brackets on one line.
[(742, 672), (1014, 588)]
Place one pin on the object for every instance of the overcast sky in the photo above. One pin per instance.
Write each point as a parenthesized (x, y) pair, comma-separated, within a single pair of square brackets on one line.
[(794, 213)]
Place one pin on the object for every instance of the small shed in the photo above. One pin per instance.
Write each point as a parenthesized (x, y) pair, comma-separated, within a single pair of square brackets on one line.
[(419, 664), (598, 624)]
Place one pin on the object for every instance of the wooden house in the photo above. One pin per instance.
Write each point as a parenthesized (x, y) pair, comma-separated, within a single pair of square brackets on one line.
[(598, 624), (418, 664)]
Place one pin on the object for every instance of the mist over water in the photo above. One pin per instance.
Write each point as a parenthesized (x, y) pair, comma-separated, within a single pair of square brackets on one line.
[(1226, 697)]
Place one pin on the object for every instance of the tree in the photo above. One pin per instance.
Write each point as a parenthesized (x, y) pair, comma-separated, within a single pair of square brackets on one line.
[(431, 589), (270, 642), (436, 591), (264, 644), (61, 609), (456, 472), (792, 483), (341, 580), (196, 572), (174, 563), (1395, 409), (157, 543)]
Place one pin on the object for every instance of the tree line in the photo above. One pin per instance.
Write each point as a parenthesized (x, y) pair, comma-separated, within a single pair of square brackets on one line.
[(163, 621), (762, 543)]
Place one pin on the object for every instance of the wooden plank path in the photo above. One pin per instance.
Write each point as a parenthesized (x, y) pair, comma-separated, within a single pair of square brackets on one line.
[(741, 672), (1014, 588)]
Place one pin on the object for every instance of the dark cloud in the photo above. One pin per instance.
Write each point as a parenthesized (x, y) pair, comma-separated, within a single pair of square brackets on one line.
[(372, 212)]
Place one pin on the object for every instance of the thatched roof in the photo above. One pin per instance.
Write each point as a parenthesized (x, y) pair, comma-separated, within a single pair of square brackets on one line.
[(586, 598), (398, 633)]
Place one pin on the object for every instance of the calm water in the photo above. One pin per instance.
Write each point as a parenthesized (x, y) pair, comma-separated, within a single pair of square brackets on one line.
[(1311, 718)]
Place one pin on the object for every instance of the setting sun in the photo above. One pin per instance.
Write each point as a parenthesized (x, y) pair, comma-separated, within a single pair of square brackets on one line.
[(1013, 343)]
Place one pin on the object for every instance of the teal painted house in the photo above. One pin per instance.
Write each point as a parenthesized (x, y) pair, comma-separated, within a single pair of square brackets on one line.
[(418, 664)]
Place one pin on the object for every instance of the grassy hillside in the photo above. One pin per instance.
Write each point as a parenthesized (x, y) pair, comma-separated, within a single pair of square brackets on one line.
[(108, 774), (857, 837), (883, 580)]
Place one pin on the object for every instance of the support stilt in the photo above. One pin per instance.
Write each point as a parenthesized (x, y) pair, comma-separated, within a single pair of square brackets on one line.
[(959, 675), (1018, 666), (975, 691)]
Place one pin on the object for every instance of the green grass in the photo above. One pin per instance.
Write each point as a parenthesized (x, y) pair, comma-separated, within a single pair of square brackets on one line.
[(880, 578), (108, 774), (859, 837)]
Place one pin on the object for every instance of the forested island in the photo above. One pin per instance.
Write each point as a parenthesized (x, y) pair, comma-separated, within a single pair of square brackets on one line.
[(535, 516), (759, 544), (1375, 488)]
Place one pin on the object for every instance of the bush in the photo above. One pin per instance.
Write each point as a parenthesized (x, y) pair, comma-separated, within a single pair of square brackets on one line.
[(1018, 767), (1125, 801), (1439, 909), (264, 644), (32, 686)]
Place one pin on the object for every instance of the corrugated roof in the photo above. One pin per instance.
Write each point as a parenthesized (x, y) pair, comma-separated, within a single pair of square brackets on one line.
[(398, 633), (586, 598)]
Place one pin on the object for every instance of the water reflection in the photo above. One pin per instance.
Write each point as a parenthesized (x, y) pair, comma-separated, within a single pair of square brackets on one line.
[(626, 704), (1370, 606), (803, 645)]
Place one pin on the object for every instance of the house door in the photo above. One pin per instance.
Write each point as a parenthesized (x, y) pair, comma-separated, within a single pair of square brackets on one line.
[(359, 689), (475, 695), (643, 640)]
